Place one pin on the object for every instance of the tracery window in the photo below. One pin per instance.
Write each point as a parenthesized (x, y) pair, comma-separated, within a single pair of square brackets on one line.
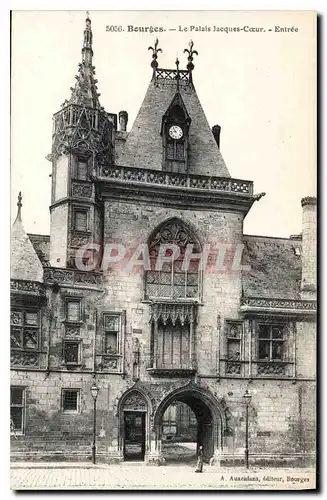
[(24, 329), (173, 280)]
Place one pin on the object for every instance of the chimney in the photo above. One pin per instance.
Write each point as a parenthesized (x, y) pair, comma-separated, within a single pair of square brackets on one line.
[(309, 248), (216, 133), (123, 119)]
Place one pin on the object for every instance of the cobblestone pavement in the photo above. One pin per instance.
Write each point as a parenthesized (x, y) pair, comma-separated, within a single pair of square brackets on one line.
[(138, 476)]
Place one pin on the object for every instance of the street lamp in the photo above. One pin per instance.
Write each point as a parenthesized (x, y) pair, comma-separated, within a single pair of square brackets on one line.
[(247, 398), (94, 392)]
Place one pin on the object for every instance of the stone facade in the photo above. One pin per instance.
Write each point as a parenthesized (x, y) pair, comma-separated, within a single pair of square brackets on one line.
[(200, 339)]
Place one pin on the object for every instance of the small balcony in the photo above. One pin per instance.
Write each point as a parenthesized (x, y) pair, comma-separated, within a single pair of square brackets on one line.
[(160, 369), (175, 180)]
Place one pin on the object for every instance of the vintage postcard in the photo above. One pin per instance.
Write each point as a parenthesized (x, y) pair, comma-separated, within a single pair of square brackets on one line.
[(163, 250)]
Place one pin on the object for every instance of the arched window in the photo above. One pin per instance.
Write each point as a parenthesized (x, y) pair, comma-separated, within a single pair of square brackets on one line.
[(173, 281)]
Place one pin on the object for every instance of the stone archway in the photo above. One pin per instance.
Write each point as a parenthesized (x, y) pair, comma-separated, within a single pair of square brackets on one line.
[(210, 416), (134, 410)]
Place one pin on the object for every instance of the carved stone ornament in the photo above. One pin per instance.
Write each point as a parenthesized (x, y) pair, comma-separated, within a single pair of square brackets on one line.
[(27, 287), (233, 368), (19, 358), (272, 368), (71, 276), (307, 305), (184, 313), (82, 190), (109, 363), (172, 179), (135, 401)]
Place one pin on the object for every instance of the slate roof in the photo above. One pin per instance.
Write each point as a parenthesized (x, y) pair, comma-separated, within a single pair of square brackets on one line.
[(276, 267), (24, 264), (41, 244), (143, 147)]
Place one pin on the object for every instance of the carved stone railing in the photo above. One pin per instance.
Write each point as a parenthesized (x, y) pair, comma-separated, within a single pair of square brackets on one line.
[(171, 74), (170, 179), (271, 367), (185, 370), (27, 287), (71, 277), (262, 303)]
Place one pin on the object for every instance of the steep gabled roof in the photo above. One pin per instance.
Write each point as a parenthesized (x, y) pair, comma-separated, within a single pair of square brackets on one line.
[(24, 264), (143, 147)]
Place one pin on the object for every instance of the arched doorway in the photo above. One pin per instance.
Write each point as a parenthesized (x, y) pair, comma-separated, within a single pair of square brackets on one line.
[(134, 425), (179, 433), (209, 417)]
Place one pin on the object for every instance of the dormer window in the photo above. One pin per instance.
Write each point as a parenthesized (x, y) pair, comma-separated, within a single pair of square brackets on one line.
[(175, 127)]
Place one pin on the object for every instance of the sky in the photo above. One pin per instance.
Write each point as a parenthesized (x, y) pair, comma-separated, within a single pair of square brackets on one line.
[(259, 87)]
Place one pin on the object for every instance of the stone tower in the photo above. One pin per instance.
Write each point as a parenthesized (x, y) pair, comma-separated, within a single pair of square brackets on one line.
[(83, 139)]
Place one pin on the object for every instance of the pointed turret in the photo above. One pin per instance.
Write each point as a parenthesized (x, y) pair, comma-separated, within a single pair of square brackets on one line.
[(25, 264), (85, 91)]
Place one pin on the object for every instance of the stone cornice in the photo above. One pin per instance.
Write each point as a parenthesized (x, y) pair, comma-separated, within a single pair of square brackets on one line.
[(259, 305)]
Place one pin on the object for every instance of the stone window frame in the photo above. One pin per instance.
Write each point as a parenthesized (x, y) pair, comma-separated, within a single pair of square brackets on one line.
[(78, 400), (13, 430), (25, 327), (119, 355), (229, 339), (77, 169), (118, 332), (69, 299), (79, 352), (271, 340), (81, 209), (284, 367)]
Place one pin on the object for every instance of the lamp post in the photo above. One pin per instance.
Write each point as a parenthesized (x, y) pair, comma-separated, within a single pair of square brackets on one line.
[(247, 398), (94, 392)]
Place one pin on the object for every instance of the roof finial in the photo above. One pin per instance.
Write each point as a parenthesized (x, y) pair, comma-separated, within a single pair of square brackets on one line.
[(191, 53), (177, 74), (155, 51), (19, 205), (87, 42)]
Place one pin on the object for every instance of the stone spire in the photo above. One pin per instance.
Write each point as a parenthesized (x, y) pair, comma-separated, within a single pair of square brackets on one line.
[(85, 92)]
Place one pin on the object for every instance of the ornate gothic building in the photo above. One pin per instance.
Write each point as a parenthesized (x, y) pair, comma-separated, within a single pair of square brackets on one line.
[(157, 336)]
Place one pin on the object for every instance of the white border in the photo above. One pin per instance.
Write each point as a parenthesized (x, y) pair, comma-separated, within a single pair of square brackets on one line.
[(319, 6)]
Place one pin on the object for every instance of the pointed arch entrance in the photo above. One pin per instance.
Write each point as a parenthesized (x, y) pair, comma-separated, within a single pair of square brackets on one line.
[(209, 416), (134, 424)]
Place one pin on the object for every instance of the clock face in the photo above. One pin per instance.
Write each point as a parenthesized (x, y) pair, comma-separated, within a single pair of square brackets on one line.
[(175, 132)]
